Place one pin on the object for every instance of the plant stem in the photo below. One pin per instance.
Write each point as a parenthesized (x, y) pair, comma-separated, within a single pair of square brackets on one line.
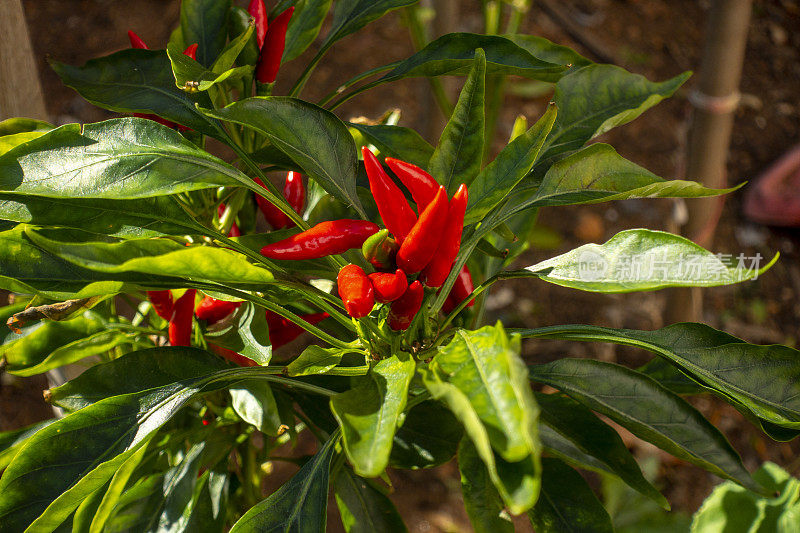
[(352, 81)]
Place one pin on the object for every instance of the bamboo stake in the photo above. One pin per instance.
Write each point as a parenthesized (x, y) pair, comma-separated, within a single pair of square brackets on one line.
[(20, 90)]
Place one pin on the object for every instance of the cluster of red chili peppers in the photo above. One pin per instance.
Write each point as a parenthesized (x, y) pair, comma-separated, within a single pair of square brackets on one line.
[(426, 245)]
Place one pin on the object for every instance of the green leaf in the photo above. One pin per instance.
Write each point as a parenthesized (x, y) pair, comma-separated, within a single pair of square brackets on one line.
[(7, 142), (765, 379), (254, 403), (567, 503), (643, 260), (227, 58), (205, 22), (138, 81), (322, 147), (191, 76), (301, 504), (452, 54), (370, 412), (597, 98), (247, 333), (15, 125), (91, 161), (457, 158), (177, 490), (140, 218), (12, 441), (304, 26), (595, 438), (510, 166), (548, 51), (479, 376), (315, 360), (428, 438), (351, 15), (396, 141), (647, 410), (555, 444), (363, 508), (157, 257), (484, 505)]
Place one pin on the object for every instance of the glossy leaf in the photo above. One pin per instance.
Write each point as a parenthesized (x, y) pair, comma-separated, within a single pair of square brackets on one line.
[(323, 147), (300, 504), (254, 403), (369, 413), (11, 126), (7, 142), (457, 158), (429, 437), (452, 54), (482, 501), (191, 76), (138, 81), (177, 490), (246, 333), (304, 26), (548, 51), (567, 503), (647, 410), (12, 441), (91, 161), (351, 15), (205, 22), (556, 445), (315, 360), (640, 260), (765, 379), (595, 438), (363, 508), (396, 141), (144, 217), (510, 166)]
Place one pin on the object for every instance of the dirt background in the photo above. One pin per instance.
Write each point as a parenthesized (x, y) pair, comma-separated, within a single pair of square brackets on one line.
[(656, 38)]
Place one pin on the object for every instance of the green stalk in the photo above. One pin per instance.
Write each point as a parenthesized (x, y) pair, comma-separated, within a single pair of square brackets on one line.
[(352, 81)]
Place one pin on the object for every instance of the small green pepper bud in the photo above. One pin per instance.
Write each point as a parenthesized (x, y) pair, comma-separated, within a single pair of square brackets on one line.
[(380, 250)]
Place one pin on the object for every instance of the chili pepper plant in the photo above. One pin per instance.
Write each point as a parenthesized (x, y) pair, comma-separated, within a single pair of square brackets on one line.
[(181, 276)]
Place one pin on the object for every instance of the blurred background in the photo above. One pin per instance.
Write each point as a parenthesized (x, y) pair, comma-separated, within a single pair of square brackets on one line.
[(656, 38)]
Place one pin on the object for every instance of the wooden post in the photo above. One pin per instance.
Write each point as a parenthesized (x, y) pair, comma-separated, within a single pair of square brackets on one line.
[(714, 99), (20, 90)]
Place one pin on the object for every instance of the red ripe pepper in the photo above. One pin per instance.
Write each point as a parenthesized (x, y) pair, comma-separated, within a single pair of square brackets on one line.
[(136, 41), (258, 11), (283, 331), (234, 231), (276, 218), (191, 51), (392, 205), (294, 191), (388, 287), (405, 308), (231, 356), (326, 238), (356, 291), (421, 184), (420, 246), (162, 303), (272, 50), (212, 310), (439, 268), (180, 326), (462, 288)]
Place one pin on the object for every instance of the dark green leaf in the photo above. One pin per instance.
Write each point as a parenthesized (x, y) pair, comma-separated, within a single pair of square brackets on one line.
[(482, 501), (304, 27), (351, 15), (548, 51), (177, 489), (363, 508), (595, 438), (396, 141), (555, 444), (567, 503), (429, 437), (648, 410), (191, 76), (138, 81), (369, 413), (12, 441), (321, 145), (457, 158), (452, 54), (671, 377), (246, 333), (301, 504), (205, 22)]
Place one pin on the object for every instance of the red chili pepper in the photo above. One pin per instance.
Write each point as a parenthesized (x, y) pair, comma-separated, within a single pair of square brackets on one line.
[(191, 51), (420, 246), (405, 308), (388, 287), (439, 268), (276, 218), (283, 331), (326, 238), (231, 356), (180, 327), (234, 231), (258, 11), (397, 215), (162, 303), (212, 310), (294, 191), (461, 290), (356, 291), (380, 250), (272, 50), (421, 184), (136, 41)]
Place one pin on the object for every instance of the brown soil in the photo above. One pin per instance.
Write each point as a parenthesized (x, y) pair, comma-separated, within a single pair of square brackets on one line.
[(656, 38)]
